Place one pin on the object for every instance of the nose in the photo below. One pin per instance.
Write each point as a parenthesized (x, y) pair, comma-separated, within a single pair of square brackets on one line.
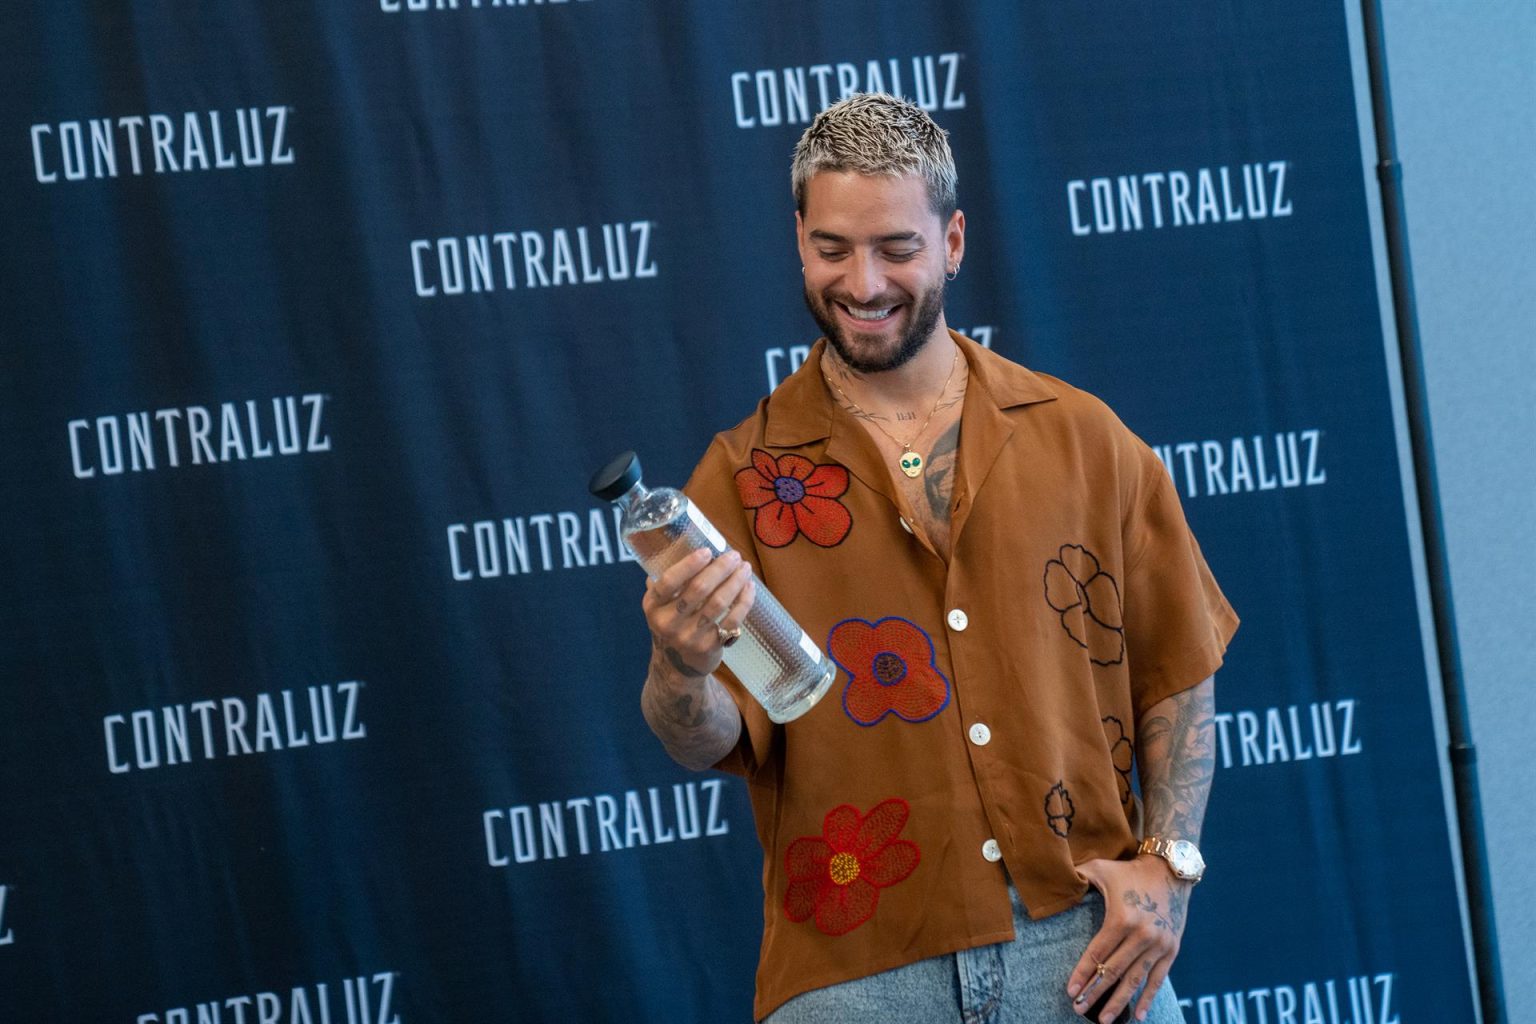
[(866, 278)]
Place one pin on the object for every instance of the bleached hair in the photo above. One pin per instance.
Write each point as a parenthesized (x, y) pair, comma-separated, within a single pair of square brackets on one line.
[(874, 133)]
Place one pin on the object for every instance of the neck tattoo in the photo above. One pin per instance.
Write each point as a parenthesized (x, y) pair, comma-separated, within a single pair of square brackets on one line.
[(910, 463)]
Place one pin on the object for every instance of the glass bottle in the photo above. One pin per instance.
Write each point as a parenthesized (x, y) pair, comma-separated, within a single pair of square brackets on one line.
[(776, 660)]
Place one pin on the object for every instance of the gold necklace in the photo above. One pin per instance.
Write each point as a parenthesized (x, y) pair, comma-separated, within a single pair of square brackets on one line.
[(910, 462)]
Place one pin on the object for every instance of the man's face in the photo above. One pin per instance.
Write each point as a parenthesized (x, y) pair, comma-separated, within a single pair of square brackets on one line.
[(875, 254)]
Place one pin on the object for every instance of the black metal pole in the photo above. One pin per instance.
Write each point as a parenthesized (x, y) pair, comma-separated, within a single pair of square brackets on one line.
[(1463, 754)]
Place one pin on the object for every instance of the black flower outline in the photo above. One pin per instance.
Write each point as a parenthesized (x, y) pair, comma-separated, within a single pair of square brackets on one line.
[(1074, 582), (1059, 816), (1121, 752)]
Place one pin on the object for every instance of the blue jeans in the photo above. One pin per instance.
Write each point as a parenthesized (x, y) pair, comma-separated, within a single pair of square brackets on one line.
[(1018, 982)]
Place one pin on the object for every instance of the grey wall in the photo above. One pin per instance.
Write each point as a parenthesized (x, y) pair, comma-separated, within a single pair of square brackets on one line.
[(1463, 81)]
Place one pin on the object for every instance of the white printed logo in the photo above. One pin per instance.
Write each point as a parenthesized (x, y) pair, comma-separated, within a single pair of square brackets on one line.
[(508, 260), (198, 140), (769, 97), (604, 823), (1134, 202)]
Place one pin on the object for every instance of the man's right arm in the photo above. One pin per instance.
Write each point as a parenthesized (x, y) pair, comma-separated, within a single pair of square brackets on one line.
[(686, 608)]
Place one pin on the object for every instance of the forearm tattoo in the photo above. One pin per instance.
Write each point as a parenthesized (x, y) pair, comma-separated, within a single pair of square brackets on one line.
[(688, 710), (1176, 746), (680, 666)]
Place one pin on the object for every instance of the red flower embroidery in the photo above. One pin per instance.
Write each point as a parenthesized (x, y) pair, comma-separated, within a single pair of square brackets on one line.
[(891, 668), (793, 495), (837, 876)]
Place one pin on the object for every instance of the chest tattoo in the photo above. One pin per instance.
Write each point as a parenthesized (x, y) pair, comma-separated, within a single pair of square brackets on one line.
[(939, 477)]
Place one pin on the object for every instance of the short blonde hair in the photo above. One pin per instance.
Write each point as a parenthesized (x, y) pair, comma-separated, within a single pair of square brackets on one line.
[(874, 133)]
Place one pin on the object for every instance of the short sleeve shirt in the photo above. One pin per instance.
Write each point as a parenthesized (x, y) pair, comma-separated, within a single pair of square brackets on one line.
[(984, 708)]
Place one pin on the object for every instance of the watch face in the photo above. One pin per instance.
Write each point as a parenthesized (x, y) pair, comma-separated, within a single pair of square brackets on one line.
[(1186, 860)]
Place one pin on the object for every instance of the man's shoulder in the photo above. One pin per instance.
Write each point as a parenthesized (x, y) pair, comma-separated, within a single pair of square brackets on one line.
[(1078, 404), (1063, 401), (1077, 426), (734, 444)]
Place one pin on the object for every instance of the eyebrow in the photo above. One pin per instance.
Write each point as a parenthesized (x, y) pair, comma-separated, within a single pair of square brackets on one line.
[(899, 236)]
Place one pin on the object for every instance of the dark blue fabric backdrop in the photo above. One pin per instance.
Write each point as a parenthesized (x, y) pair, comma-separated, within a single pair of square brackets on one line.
[(319, 669)]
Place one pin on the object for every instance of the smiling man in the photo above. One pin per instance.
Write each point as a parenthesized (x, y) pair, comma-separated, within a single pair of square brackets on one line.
[(1022, 623)]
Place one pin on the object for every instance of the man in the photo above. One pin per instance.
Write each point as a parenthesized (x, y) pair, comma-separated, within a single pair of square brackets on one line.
[(1003, 575)]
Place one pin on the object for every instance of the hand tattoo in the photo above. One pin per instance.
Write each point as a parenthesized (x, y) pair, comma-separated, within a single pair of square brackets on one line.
[(1144, 902)]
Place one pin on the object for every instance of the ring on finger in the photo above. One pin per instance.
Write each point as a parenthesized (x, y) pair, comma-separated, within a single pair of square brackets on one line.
[(727, 636), (1102, 970)]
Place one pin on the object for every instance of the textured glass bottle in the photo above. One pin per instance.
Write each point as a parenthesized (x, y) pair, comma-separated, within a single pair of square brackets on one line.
[(774, 658)]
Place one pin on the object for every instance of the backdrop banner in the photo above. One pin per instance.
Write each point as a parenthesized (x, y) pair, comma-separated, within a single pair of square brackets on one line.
[(319, 667)]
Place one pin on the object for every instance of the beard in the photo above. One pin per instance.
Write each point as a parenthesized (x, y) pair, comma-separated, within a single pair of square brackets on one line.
[(924, 316)]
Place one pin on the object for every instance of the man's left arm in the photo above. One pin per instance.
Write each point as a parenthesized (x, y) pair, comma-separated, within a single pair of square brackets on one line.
[(1144, 903)]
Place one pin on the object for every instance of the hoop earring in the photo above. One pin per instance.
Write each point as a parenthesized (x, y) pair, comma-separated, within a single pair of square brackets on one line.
[(953, 273)]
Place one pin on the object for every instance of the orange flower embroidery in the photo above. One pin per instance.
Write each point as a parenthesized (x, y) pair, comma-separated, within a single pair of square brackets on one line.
[(792, 495), (891, 670)]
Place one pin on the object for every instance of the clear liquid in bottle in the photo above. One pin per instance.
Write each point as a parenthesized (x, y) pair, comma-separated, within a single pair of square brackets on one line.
[(774, 658)]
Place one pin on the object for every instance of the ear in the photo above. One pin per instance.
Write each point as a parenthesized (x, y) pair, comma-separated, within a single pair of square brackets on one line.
[(800, 236), (954, 239)]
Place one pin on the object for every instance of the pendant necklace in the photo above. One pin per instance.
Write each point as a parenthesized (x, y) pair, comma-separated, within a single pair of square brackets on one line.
[(910, 463)]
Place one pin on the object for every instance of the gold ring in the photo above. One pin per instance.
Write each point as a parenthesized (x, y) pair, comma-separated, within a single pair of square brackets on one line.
[(1102, 970), (728, 636)]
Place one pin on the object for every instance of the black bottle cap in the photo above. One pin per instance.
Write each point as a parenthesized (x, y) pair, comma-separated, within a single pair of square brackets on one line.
[(614, 480)]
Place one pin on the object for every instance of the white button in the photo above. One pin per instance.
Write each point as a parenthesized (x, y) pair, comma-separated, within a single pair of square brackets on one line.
[(904, 525), (991, 850), (958, 620), (980, 734)]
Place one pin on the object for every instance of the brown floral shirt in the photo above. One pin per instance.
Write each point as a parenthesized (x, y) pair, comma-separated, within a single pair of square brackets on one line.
[(985, 707)]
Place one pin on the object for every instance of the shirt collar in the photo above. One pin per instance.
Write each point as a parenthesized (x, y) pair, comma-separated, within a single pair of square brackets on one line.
[(801, 409)]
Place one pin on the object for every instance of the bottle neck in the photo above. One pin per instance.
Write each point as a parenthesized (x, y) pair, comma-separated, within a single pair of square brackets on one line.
[(631, 497)]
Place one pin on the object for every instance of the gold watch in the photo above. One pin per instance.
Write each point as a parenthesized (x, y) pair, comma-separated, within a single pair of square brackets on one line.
[(1183, 856)]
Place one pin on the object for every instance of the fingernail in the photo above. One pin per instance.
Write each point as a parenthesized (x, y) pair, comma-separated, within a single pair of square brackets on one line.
[(1073, 988)]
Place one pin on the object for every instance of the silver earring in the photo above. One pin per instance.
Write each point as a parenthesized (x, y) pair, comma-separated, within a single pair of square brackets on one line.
[(952, 274)]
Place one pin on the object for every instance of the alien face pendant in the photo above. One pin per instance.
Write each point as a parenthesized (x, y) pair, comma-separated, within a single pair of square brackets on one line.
[(912, 464)]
